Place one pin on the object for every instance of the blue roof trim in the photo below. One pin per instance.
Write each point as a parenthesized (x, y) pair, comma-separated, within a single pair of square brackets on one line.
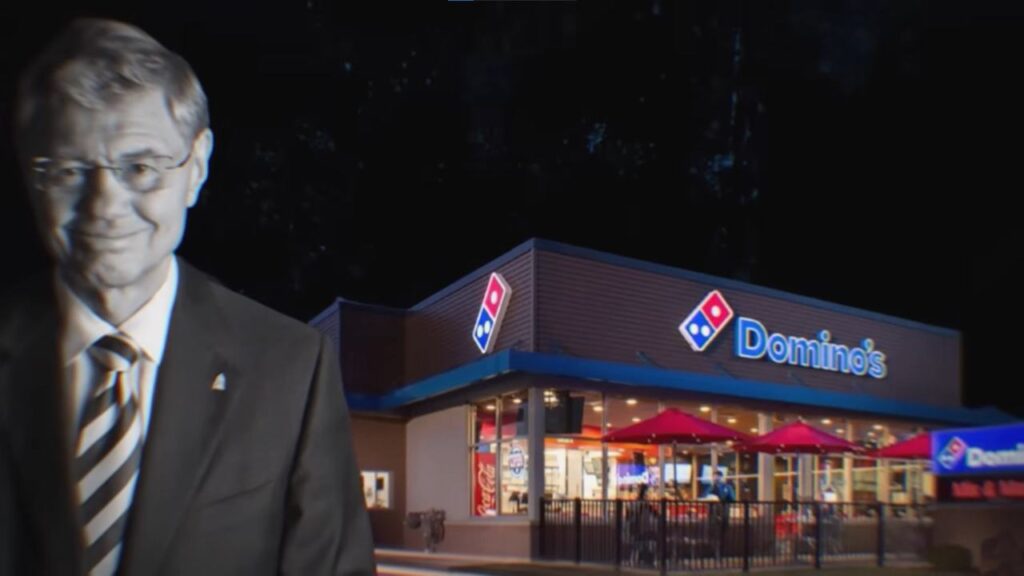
[(363, 402), (487, 367), (730, 284), (631, 375), (646, 376)]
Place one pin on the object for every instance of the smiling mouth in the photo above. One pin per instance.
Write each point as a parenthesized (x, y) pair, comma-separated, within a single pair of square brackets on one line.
[(104, 236), (106, 241)]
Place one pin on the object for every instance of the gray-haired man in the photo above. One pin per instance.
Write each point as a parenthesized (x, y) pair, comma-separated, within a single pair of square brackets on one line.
[(151, 421)]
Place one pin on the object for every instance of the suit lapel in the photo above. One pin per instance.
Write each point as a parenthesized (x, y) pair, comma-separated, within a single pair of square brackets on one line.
[(39, 433), (186, 423)]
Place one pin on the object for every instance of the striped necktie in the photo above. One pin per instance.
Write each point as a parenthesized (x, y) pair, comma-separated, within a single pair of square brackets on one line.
[(107, 454)]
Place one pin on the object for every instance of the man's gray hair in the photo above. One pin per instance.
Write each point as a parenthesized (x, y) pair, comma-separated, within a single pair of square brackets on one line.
[(92, 63)]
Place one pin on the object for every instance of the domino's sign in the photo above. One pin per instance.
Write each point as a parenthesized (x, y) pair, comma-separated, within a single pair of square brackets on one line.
[(952, 453), (754, 341), (992, 450), (492, 311), (707, 321)]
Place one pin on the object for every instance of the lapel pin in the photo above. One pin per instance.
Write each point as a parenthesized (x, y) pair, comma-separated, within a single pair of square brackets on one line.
[(220, 383)]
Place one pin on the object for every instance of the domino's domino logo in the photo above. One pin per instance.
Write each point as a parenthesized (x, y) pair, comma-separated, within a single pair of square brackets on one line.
[(492, 310), (707, 321), (953, 453), (754, 341)]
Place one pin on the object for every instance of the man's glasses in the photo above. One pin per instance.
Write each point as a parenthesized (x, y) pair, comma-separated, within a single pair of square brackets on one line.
[(139, 174)]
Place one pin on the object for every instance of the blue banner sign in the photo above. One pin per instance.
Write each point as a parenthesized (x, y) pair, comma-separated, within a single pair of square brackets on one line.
[(992, 450)]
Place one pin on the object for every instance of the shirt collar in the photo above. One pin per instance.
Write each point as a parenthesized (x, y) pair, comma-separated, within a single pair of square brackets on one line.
[(147, 327)]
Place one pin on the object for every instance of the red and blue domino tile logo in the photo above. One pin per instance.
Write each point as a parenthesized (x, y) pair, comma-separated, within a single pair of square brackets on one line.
[(492, 311), (707, 321), (953, 453)]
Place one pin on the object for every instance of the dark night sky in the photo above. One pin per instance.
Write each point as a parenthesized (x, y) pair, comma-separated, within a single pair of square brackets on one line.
[(859, 152)]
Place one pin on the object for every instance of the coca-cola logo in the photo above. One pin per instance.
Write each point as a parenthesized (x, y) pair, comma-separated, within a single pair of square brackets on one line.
[(485, 482)]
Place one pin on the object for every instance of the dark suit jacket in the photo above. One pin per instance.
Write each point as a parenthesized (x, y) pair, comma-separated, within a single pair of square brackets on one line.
[(257, 479)]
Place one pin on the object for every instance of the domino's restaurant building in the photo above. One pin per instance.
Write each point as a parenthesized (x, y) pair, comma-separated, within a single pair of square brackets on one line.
[(498, 388)]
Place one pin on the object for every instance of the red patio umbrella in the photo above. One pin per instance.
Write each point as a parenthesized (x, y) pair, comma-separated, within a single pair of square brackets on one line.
[(797, 438), (918, 447), (672, 425)]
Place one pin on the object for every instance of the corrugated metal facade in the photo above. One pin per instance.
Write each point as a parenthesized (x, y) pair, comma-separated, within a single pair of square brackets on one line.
[(580, 306), (597, 310), (439, 336)]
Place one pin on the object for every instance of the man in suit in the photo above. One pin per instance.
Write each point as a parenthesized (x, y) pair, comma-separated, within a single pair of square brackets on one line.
[(151, 421)]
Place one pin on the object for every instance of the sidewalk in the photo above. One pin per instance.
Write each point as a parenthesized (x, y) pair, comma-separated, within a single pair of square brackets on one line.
[(392, 562)]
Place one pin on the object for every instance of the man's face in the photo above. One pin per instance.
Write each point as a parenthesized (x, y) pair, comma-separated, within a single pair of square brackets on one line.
[(102, 232)]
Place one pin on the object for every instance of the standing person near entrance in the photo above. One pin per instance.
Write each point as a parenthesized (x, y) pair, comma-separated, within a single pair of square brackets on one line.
[(722, 489), (719, 517)]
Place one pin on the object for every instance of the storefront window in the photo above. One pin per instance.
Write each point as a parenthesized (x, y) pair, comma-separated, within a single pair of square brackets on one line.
[(898, 483), (499, 433), (742, 473), (786, 478), (484, 416), (572, 444), (377, 489), (575, 421), (704, 472), (905, 477), (677, 474), (572, 471), (485, 486), (591, 473), (747, 464), (514, 415), (556, 479), (828, 477), (926, 483), (865, 480), (746, 488), (635, 465), (907, 482), (633, 469), (514, 474), (513, 418)]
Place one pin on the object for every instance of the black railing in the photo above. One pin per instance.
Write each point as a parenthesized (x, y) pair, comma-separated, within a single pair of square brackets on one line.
[(672, 535)]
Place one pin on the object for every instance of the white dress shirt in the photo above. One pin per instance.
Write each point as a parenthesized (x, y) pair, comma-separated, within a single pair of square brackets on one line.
[(81, 327)]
